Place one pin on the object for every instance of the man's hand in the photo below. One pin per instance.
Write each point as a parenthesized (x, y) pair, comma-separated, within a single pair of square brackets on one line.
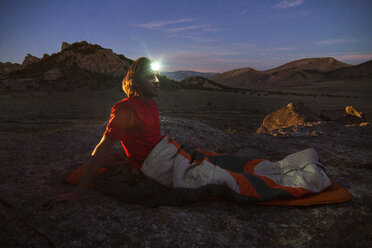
[(99, 155), (70, 198)]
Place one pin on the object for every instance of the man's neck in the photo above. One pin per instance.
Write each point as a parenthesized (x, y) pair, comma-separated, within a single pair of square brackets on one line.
[(146, 99)]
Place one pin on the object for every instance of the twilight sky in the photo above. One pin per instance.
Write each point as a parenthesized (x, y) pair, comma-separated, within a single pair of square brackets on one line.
[(200, 35)]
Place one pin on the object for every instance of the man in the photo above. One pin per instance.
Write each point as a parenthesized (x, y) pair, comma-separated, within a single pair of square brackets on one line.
[(134, 121), (168, 175)]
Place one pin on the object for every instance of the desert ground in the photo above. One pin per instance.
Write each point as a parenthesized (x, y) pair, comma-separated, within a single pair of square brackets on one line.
[(240, 112), (43, 138)]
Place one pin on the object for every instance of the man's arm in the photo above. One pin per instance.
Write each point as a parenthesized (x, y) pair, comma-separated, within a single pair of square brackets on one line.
[(95, 162)]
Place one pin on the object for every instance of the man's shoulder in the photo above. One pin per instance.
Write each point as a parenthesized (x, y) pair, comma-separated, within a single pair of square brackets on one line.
[(131, 103), (124, 104)]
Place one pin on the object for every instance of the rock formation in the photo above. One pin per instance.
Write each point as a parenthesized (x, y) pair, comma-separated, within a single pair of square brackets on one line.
[(45, 56), (93, 58), (65, 45), (290, 115), (9, 67), (29, 59), (78, 65)]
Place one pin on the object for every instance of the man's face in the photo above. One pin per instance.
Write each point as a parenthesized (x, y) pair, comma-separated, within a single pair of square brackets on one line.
[(149, 83)]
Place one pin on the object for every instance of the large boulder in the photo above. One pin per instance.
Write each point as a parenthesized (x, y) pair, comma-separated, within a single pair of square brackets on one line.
[(290, 115)]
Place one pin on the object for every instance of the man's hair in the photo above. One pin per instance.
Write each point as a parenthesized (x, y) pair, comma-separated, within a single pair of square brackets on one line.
[(131, 79)]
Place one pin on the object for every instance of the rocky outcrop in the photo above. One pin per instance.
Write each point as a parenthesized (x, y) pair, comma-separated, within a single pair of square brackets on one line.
[(29, 59), (9, 67), (290, 115), (45, 56), (65, 45), (83, 55), (93, 58), (78, 65)]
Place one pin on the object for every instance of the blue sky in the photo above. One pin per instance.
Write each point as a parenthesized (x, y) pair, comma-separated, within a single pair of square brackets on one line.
[(202, 35)]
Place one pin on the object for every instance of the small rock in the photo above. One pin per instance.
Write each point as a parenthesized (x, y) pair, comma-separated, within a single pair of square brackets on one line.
[(347, 116)]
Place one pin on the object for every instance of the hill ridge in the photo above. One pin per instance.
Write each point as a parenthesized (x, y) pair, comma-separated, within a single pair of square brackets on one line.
[(298, 72), (85, 65)]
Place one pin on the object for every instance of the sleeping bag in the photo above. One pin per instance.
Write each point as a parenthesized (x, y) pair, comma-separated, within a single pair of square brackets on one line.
[(172, 176)]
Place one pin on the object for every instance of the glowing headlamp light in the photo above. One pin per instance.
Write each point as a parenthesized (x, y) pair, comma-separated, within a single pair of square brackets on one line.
[(155, 66)]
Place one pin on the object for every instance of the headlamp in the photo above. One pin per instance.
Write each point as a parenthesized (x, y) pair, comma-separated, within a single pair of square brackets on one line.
[(155, 66)]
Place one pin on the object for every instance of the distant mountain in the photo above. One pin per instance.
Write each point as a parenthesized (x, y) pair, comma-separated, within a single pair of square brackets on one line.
[(202, 83), (82, 65), (362, 71), (240, 78), (318, 64), (179, 75), (295, 73)]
